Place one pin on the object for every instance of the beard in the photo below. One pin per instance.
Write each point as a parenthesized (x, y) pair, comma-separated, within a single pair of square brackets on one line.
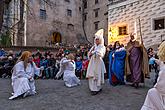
[(133, 40)]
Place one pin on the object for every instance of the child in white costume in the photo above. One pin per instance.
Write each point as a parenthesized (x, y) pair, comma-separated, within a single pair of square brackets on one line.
[(69, 77), (23, 76), (155, 99)]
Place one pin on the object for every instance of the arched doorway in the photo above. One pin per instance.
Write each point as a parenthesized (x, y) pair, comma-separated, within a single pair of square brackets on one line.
[(56, 38)]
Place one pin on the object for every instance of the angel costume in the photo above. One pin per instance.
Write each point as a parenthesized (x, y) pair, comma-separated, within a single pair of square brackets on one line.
[(69, 77), (23, 79), (155, 99), (96, 67)]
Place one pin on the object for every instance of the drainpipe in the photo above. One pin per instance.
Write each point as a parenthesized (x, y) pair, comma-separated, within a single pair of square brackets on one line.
[(25, 22), (83, 24)]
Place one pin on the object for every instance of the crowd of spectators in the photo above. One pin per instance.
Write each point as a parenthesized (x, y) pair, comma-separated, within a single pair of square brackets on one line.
[(51, 60), (47, 59)]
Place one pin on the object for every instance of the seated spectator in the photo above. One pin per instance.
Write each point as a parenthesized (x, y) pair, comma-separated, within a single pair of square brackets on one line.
[(78, 67), (85, 63), (50, 70)]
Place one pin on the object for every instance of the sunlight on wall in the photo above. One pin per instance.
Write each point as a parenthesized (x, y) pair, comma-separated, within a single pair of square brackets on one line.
[(113, 34)]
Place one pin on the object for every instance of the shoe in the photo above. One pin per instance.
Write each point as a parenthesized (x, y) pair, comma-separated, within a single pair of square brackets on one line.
[(12, 97), (94, 93), (33, 92), (136, 85), (26, 94), (100, 90), (133, 85)]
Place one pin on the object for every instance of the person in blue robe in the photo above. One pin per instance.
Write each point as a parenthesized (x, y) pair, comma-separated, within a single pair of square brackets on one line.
[(117, 65)]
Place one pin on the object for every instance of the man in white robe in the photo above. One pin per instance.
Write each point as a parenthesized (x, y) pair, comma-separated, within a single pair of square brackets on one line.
[(96, 67)]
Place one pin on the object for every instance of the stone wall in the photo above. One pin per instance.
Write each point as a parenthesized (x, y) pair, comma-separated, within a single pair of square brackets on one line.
[(91, 19), (129, 12), (41, 30)]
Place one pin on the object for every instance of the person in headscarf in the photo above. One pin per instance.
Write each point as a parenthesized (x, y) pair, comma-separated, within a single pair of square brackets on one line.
[(137, 66), (96, 67), (117, 65), (155, 99), (23, 76)]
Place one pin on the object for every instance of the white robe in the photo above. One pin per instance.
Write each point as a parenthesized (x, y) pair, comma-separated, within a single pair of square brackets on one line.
[(62, 68), (21, 81), (68, 68), (96, 68), (155, 99)]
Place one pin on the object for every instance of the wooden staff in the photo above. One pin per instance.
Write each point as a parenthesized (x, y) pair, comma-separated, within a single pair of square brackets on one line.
[(141, 37)]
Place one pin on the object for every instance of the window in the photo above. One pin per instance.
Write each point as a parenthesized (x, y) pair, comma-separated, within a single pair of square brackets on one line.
[(70, 27), (123, 30), (96, 25), (96, 11), (67, 0), (69, 12), (80, 9), (96, 1), (42, 14), (85, 4), (85, 16), (96, 14), (159, 24)]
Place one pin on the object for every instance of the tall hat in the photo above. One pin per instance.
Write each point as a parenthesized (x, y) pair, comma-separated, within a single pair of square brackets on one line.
[(99, 35)]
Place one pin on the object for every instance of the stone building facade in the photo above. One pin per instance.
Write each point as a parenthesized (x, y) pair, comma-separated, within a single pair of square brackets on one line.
[(145, 18), (11, 21), (96, 17), (55, 21), (48, 22)]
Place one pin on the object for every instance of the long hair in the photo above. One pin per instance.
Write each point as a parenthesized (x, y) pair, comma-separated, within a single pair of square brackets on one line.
[(71, 56), (161, 52), (24, 57), (114, 47)]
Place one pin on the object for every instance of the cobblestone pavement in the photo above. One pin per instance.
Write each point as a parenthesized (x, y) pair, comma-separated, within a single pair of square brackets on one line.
[(53, 95)]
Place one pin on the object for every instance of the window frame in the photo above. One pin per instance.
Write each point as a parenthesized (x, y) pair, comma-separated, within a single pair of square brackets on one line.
[(69, 12), (154, 23), (96, 1), (96, 24), (43, 14), (120, 30)]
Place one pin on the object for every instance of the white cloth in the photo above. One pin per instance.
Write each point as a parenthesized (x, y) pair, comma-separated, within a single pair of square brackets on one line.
[(62, 67), (23, 80), (155, 99), (68, 68), (96, 68)]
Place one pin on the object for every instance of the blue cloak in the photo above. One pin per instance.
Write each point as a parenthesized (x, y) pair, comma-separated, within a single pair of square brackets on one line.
[(117, 66)]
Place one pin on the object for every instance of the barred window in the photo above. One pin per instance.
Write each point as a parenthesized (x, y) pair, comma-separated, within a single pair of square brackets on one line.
[(42, 14), (123, 30)]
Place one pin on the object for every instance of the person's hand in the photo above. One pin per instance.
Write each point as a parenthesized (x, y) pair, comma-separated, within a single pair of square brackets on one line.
[(30, 77), (40, 75), (113, 55), (41, 68), (129, 49), (90, 54), (95, 79)]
